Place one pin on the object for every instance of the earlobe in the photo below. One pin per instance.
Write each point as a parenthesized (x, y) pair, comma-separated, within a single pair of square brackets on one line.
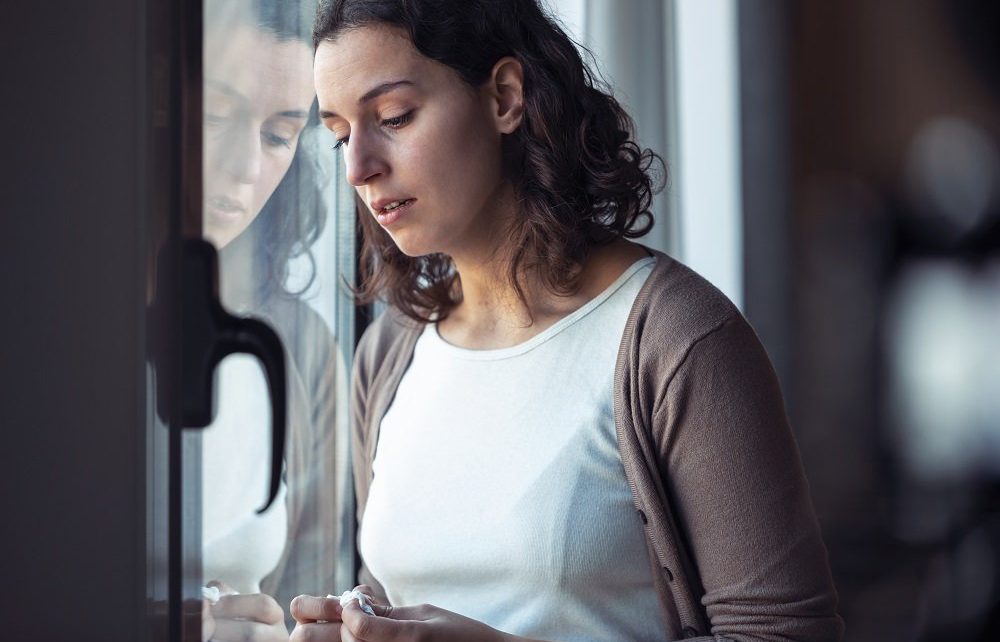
[(507, 84)]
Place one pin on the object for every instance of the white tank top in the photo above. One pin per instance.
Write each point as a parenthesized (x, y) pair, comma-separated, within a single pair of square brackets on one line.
[(499, 492)]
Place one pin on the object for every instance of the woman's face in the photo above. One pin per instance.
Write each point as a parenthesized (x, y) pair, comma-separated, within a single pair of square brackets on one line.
[(412, 130), (258, 91)]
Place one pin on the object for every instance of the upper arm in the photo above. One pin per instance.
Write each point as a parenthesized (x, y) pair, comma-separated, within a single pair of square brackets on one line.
[(733, 470)]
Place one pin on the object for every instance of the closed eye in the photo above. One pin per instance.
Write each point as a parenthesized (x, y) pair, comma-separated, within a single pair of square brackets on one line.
[(275, 140), (398, 121), (392, 123)]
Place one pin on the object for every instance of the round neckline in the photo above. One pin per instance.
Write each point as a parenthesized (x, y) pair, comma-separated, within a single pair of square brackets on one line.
[(492, 354)]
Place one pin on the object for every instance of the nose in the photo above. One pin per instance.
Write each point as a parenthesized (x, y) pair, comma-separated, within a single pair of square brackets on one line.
[(364, 160), (241, 157)]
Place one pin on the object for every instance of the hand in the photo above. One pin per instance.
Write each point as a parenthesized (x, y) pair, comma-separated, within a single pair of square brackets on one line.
[(319, 618), (389, 624), (256, 618), (423, 622)]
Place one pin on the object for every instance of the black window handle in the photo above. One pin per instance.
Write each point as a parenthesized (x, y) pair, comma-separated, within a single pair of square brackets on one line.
[(209, 334)]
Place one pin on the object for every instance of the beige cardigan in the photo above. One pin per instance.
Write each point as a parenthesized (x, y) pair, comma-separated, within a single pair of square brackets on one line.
[(734, 543)]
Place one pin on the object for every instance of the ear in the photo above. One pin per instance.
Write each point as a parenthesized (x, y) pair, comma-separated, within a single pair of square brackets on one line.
[(505, 91)]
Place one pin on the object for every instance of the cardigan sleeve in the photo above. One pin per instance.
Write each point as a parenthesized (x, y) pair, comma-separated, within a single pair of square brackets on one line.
[(310, 566), (316, 390), (369, 353), (730, 464)]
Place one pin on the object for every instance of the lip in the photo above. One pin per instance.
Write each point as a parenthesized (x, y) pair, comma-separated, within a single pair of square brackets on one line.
[(388, 218), (377, 205), (224, 209)]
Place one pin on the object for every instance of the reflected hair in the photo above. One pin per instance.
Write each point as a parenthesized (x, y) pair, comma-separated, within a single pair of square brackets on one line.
[(291, 220), (580, 178)]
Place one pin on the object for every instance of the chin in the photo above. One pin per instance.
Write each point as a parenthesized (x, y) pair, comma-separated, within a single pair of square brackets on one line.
[(216, 238), (413, 252), (412, 247)]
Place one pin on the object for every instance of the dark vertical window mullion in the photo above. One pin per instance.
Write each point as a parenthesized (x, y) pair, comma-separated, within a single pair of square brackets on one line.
[(186, 200), (363, 315)]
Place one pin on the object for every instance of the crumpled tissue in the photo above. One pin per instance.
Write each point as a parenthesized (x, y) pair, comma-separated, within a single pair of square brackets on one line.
[(355, 594), (212, 593)]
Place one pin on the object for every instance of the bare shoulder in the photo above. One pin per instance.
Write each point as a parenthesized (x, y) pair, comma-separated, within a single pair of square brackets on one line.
[(607, 263)]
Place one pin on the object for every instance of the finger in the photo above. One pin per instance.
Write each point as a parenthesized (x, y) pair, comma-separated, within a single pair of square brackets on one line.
[(347, 636), (317, 632), (369, 593), (258, 607), (224, 588), (372, 627), (309, 608), (414, 613), (207, 621), (245, 631)]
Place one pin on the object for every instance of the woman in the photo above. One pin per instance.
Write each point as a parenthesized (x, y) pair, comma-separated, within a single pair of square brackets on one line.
[(262, 208), (559, 434)]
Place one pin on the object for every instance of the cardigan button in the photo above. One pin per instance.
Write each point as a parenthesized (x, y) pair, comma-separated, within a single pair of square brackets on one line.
[(689, 632), (642, 516), (670, 575)]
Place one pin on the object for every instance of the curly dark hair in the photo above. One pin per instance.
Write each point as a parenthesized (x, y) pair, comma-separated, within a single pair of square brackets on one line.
[(290, 221), (580, 178)]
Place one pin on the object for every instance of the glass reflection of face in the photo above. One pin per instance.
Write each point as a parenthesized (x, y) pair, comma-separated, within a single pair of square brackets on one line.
[(258, 90)]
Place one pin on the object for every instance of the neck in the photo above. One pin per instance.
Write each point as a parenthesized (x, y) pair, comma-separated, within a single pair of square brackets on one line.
[(489, 299), (237, 274), (492, 316)]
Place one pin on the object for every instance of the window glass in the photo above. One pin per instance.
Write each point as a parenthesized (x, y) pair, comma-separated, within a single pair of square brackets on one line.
[(276, 209)]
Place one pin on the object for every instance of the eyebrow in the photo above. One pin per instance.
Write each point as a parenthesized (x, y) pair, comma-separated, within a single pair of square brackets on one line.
[(225, 88), (293, 113), (232, 92), (371, 95)]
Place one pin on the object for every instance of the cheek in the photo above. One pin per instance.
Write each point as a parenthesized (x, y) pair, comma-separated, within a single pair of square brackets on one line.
[(463, 158), (272, 170), (212, 152)]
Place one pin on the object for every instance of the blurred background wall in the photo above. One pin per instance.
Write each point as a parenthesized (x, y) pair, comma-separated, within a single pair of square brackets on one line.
[(894, 128)]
